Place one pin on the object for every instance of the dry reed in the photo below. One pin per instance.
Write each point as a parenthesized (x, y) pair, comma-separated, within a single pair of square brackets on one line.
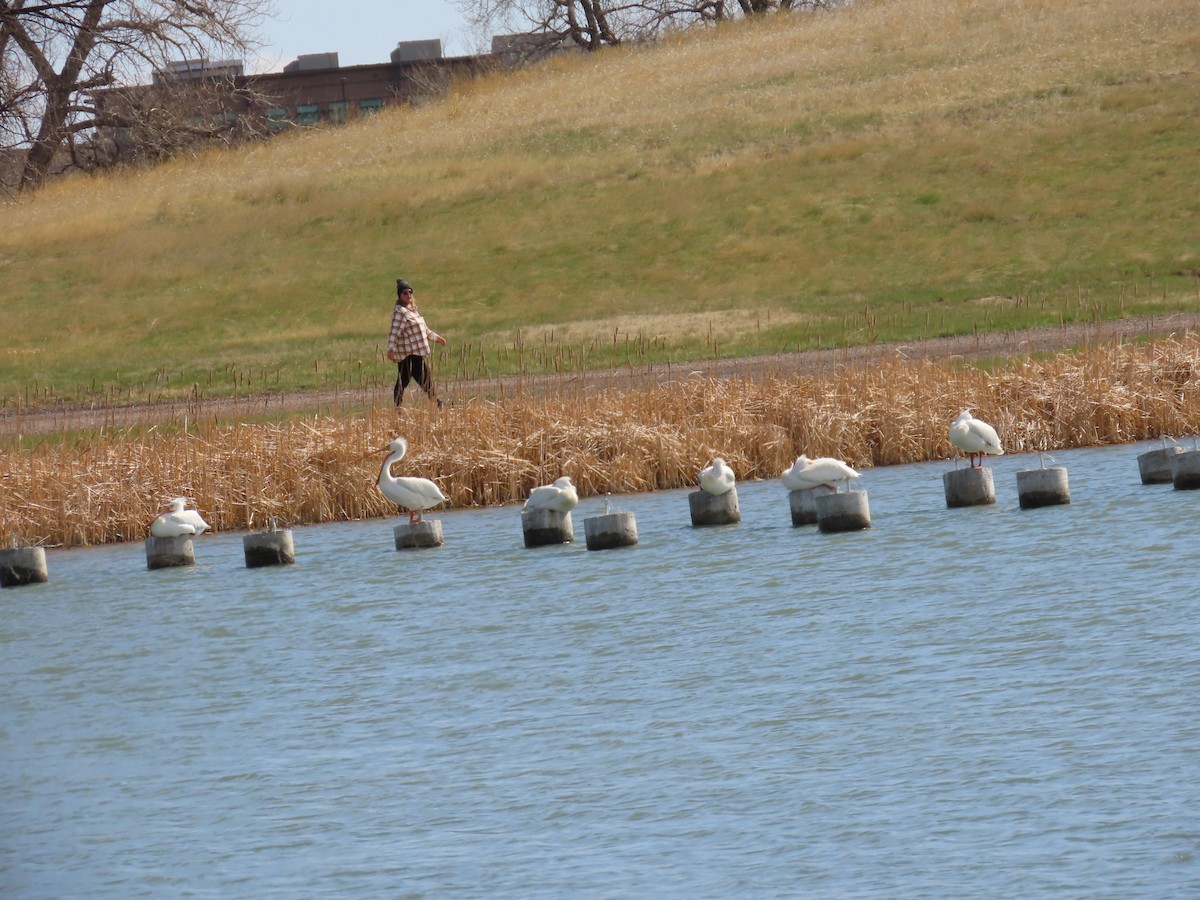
[(106, 486)]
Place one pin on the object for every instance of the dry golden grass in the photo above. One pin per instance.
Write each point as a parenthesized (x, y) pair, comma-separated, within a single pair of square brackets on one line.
[(1008, 48), (107, 486)]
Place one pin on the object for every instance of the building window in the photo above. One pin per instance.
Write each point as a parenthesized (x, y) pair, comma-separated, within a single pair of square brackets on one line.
[(371, 105), (308, 114), (337, 112), (277, 119)]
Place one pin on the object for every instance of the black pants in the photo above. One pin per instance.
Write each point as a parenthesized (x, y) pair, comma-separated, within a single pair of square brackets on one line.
[(413, 368)]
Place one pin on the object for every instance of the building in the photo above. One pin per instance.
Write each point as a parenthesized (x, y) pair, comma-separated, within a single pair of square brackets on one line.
[(200, 99)]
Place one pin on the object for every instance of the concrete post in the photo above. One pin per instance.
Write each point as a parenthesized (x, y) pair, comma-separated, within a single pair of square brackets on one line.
[(1185, 470), (714, 510), (804, 504), (170, 552), (418, 535), (269, 548), (1043, 487), (843, 512), (1155, 465), (969, 487), (610, 530), (23, 565), (543, 527)]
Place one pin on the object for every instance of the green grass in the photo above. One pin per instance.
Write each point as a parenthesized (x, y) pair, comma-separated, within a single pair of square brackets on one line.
[(891, 171)]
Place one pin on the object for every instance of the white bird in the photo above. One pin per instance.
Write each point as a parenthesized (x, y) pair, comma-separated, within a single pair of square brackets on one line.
[(413, 494), (717, 479), (975, 438), (808, 473), (560, 496), (178, 521)]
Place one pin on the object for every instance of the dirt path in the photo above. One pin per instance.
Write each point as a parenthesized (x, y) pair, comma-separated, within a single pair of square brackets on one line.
[(971, 347)]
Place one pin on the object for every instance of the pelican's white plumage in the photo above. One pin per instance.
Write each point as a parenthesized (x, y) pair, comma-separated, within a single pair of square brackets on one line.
[(412, 494), (560, 496), (807, 473), (975, 437), (178, 521), (717, 479)]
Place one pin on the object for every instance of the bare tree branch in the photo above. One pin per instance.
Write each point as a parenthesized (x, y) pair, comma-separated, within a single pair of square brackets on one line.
[(56, 54)]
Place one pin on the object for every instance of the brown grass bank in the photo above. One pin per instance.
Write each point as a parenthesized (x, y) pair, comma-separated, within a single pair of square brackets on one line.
[(105, 486)]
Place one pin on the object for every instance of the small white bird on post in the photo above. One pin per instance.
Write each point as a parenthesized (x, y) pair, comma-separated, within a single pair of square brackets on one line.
[(560, 496), (975, 438), (717, 479), (178, 521), (808, 473)]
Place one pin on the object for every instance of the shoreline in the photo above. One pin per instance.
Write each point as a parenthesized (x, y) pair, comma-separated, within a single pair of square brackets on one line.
[(1006, 344), (629, 436)]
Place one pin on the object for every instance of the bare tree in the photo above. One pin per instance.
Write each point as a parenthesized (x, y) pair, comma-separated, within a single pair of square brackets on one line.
[(146, 123), (592, 24), (58, 56)]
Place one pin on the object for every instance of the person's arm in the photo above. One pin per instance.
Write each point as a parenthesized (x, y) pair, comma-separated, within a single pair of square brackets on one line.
[(393, 341)]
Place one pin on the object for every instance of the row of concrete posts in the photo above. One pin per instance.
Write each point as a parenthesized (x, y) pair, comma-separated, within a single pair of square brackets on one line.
[(823, 506)]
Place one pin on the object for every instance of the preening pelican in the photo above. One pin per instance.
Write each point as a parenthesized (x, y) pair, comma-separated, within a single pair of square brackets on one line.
[(808, 473), (975, 438), (413, 494), (178, 521), (560, 496), (717, 479)]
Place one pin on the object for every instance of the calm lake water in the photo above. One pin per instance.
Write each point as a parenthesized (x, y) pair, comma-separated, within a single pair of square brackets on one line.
[(983, 702)]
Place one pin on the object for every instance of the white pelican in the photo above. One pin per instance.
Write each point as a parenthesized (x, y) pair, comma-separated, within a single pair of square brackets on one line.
[(178, 521), (975, 438), (808, 473), (560, 496), (413, 494), (717, 479)]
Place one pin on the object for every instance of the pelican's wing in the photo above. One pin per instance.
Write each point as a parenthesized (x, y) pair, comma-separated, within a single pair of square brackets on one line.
[(170, 525), (989, 440), (541, 497)]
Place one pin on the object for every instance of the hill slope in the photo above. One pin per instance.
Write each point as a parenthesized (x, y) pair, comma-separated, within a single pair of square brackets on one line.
[(897, 170)]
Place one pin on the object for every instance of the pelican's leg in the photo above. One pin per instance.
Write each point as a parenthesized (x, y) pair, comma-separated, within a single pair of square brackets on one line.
[(413, 517)]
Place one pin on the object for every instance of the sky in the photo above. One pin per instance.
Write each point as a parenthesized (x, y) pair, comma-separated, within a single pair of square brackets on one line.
[(359, 31)]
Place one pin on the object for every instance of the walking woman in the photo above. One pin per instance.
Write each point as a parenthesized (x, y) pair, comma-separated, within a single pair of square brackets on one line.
[(408, 345)]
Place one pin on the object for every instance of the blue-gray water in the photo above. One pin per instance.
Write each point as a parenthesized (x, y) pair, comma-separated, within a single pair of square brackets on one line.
[(974, 702)]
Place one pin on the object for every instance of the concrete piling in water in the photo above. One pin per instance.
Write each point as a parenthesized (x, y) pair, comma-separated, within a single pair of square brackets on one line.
[(1043, 487), (843, 512), (543, 527), (23, 565), (709, 509), (804, 504), (969, 487), (269, 548), (170, 552), (610, 530), (1155, 465), (1185, 470), (418, 535)]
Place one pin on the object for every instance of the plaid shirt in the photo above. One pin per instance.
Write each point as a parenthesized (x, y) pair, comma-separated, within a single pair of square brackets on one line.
[(410, 335)]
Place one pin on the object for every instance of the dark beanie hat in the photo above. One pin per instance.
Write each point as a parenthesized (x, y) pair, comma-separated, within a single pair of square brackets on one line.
[(402, 286)]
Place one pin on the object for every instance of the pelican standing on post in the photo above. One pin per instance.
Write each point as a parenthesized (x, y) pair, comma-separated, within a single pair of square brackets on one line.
[(412, 494), (975, 438), (717, 479), (560, 496), (178, 521), (808, 473)]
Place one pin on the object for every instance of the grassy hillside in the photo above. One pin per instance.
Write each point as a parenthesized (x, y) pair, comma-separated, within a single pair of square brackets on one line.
[(894, 170)]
